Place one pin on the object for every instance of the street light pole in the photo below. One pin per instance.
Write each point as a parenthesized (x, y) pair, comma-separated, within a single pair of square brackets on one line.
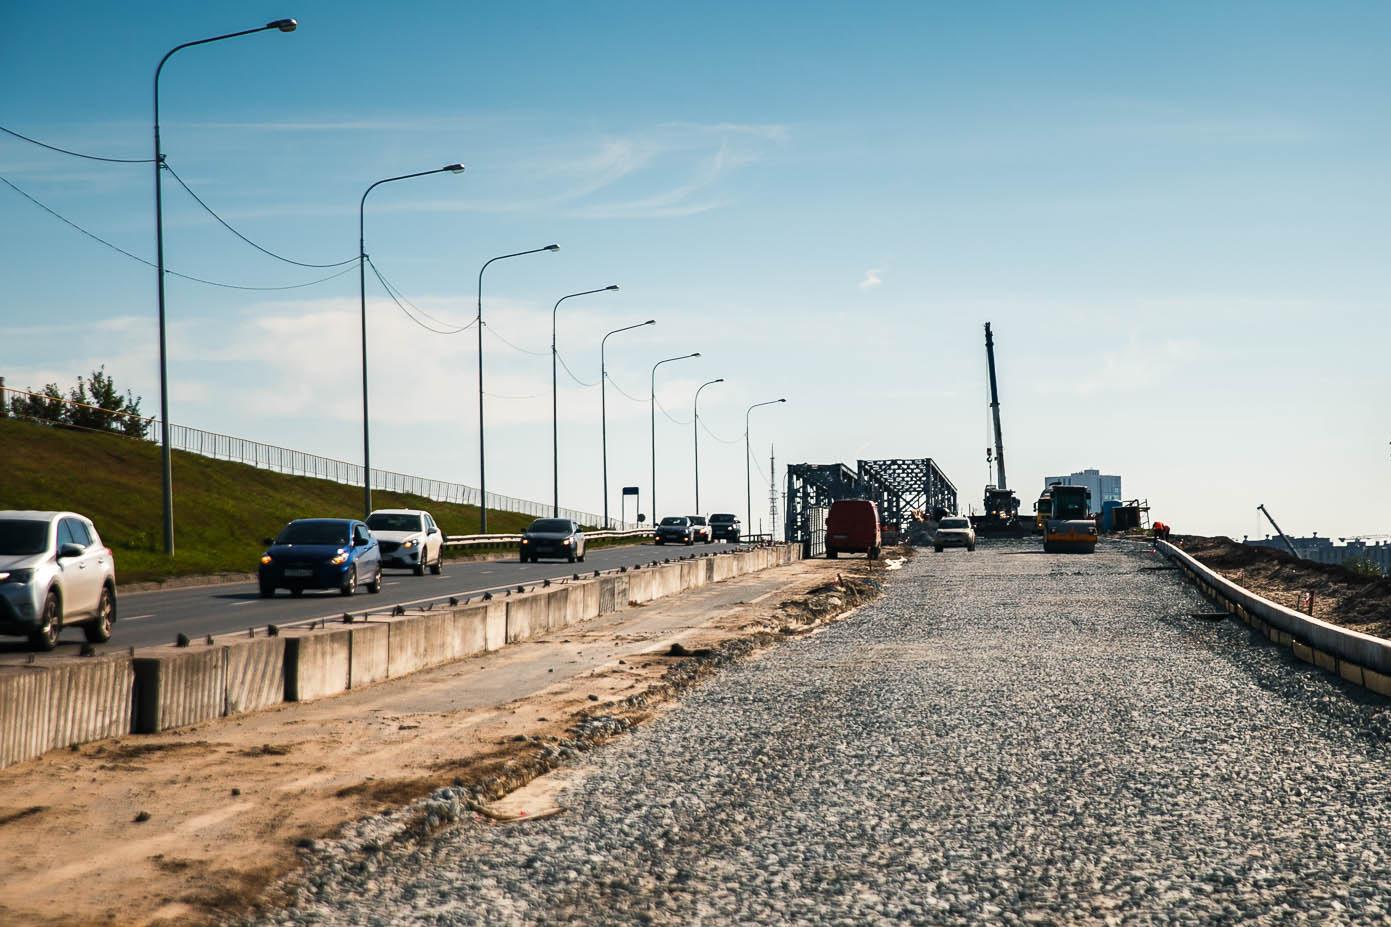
[(695, 427), (166, 456), (482, 456), (362, 299), (652, 498), (555, 399), (604, 412), (748, 455)]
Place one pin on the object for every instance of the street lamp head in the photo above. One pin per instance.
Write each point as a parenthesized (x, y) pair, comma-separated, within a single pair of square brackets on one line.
[(650, 322), (453, 168), (551, 248), (782, 400), (611, 286), (720, 380), (696, 354), (284, 25)]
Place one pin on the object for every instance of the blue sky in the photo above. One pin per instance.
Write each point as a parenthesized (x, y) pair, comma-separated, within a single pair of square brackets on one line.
[(1173, 215)]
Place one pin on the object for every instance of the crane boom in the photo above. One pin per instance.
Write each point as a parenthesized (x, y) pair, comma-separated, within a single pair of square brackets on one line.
[(1268, 518), (995, 408)]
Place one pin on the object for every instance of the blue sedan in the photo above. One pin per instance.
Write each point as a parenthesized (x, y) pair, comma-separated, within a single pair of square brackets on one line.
[(322, 553)]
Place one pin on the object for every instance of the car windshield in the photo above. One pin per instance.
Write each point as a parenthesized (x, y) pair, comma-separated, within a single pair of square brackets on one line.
[(314, 532), (550, 525), (23, 537), (697, 520), (955, 523), (673, 521), (721, 519), (393, 521)]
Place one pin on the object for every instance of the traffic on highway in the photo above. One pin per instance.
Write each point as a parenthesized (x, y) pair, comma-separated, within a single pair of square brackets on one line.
[(56, 575)]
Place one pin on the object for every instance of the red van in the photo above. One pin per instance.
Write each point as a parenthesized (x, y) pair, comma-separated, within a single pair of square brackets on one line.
[(852, 527)]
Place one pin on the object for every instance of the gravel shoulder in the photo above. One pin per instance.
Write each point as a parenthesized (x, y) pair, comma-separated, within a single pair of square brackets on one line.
[(1004, 737), (231, 805)]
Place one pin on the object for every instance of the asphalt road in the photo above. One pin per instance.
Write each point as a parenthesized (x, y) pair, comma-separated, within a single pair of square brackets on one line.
[(147, 618)]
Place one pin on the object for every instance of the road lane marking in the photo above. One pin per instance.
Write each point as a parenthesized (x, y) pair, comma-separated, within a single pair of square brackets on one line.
[(240, 604), (133, 617)]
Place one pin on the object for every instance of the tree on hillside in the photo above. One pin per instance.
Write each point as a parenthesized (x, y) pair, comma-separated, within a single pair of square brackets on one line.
[(94, 403)]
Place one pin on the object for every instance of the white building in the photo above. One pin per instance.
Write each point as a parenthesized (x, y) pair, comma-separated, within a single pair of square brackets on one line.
[(1104, 487)]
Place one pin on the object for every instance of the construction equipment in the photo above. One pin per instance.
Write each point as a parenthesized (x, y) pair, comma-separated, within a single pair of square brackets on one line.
[(1001, 509), (1271, 519), (1043, 508), (1070, 529)]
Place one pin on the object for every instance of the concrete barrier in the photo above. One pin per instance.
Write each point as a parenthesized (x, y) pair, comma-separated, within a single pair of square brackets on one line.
[(178, 686), (494, 624), (26, 729), (318, 663), (91, 699), (613, 593), (1336, 649), (255, 674), (59, 704), (527, 616), (370, 654)]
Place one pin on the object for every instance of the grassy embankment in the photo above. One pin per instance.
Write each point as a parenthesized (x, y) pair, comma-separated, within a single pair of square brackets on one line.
[(222, 510)]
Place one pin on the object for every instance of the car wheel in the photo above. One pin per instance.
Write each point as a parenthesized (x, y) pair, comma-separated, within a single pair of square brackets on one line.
[(375, 585), (938, 549), (581, 556), (874, 553), (570, 557), (832, 554), (98, 630), (522, 558), (267, 591), (46, 637), (970, 547), (690, 541), (437, 567), (660, 542), (419, 568), (350, 584)]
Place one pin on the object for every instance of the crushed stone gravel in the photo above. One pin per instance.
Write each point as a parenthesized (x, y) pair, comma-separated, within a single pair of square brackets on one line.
[(1006, 737)]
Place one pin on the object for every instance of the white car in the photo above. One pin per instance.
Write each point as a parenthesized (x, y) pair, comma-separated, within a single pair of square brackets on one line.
[(954, 531), (409, 539), (54, 572)]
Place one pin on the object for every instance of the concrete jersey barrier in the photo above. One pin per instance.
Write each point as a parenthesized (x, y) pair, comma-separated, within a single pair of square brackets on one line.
[(160, 688), (1357, 657)]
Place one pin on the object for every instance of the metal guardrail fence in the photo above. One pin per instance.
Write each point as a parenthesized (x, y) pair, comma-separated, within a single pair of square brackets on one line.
[(290, 461)]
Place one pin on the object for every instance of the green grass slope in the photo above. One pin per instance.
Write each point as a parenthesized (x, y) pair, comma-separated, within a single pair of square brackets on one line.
[(222, 510)]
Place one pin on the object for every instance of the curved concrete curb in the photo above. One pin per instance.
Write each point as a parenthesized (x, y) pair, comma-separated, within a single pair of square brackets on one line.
[(1356, 657)]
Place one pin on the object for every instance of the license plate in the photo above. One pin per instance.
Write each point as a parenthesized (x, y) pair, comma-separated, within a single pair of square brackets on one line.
[(298, 572)]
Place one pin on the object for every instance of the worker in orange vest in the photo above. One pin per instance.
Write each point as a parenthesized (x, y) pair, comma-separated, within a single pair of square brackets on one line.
[(1161, 531)]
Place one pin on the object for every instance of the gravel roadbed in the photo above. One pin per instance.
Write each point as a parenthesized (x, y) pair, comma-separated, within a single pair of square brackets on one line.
[(1005, 737)]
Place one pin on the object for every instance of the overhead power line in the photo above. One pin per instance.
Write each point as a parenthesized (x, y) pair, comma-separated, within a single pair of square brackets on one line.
[(75, 154), (399, 298), (707, 430), (621, 391), (516, 347), (225, 224), (669, 416), (173, 273), (582, 384)]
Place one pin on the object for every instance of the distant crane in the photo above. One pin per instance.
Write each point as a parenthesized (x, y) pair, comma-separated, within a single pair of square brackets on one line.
[(995, 410), (1270, 519), (1001, 507)]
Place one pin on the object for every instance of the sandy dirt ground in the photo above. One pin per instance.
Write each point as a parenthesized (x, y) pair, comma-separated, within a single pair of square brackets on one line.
[(192, 826), (1340, 596)]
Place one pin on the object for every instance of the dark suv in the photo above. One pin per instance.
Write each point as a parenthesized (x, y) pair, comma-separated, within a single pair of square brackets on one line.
[(676, 529), (724, 527)]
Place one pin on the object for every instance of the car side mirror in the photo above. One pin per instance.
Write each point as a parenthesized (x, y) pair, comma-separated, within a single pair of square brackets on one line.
[(70, 550), (361, 541), (267, 542), (433, 531)]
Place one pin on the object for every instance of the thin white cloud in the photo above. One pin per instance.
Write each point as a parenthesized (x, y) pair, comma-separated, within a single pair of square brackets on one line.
[(872, 278)]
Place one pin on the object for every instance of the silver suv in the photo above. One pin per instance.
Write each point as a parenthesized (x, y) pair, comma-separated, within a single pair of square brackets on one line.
[(54, 572)]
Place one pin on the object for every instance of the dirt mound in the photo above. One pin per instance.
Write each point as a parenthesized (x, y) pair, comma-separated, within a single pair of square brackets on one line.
[(1341, 596)]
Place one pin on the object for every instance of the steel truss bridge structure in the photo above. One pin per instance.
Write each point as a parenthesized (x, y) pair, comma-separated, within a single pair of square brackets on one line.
[(898, 486)]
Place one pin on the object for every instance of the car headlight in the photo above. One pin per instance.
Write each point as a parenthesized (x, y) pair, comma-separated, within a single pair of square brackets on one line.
[(266, 559), (526, 540), (340, 559), (567, 542), (409, 544)]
